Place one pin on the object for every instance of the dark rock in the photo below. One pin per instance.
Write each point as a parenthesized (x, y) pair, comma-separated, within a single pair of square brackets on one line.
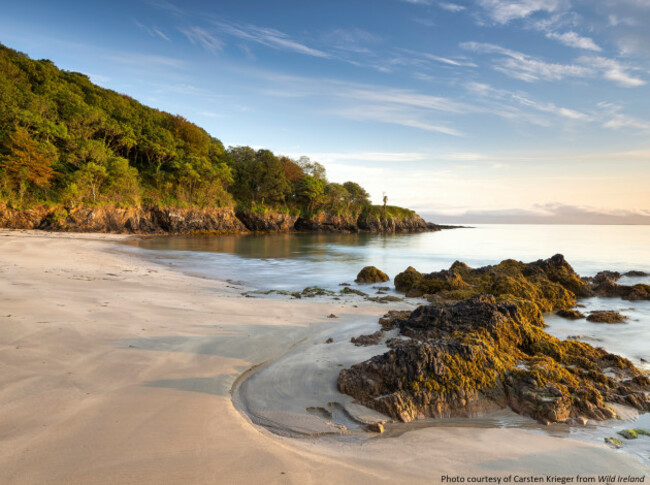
[(331, 315), (352, 291), (370, 274), (605, 284), (366, 340), (329, 340), (570, 314), (636, 274), (478, 355), (392, 319), (312, 291), (605, 316), (384, 299)]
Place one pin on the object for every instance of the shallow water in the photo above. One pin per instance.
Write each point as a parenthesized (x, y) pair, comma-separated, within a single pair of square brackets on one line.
[(296, 394)]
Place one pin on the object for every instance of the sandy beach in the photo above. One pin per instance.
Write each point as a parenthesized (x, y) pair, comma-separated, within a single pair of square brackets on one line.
[(114, 369)]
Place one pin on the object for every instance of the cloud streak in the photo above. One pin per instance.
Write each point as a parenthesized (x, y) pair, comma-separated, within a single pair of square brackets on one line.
[(527, 68), (268, 37), (504, 11)]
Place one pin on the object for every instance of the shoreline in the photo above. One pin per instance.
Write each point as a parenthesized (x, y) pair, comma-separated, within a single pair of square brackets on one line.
[(115, 369)]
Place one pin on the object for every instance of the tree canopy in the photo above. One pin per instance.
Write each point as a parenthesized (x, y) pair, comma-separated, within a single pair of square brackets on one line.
[(65, 140)]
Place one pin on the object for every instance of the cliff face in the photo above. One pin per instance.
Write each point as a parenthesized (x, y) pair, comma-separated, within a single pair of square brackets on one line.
[(267, 222), (323, 222), (123, 220), (153, 220)]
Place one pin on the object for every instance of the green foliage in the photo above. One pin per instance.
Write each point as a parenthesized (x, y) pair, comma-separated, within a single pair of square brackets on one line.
[(64, 140)]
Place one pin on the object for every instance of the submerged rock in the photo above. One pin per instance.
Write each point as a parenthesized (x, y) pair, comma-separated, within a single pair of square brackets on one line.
[(370, 274), (570, 314), (636, 274), (632, 434), (614, 442), (481, 354), (352, 291), (606, 316)]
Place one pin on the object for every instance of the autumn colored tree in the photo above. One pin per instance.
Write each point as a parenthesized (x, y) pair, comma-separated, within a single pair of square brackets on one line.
[(28, 163)]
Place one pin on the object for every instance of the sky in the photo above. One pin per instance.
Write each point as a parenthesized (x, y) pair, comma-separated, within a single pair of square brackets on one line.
[(471, 111)]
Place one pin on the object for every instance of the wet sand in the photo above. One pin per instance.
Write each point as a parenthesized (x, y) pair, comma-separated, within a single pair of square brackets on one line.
[(116, 370)]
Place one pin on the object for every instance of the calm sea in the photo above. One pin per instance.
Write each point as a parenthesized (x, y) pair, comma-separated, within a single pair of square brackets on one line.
[(294, 261)]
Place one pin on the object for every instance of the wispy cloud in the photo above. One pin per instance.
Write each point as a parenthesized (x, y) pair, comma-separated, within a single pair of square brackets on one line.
[(152, 31), (373, 103), (147, 60), (451, 7), (573, 39), (268, 37), (165, 5), (200, 36), (525, 100), (503, 11), (613, 70), (620, 121), (527, 68)]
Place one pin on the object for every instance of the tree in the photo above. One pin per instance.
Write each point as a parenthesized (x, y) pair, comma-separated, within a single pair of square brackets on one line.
[(89, 179), (314, 169), (357, 194), (28, 164), (337, 196), (310, 192)]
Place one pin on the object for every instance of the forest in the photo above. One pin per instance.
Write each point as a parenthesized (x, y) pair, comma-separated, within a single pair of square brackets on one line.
[(66, 142)]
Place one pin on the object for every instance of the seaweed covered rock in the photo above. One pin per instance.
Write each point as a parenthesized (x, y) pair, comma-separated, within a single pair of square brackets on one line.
[(570, 314), (550, 284), (480, 354), (606, 316), (371, 274)]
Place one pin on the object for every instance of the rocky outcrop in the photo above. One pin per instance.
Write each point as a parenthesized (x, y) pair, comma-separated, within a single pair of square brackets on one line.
[(133, 220), (480, 354), (267, 222), (371, 274), (605, 284), (374, 223), (323, 222), (547, 285)]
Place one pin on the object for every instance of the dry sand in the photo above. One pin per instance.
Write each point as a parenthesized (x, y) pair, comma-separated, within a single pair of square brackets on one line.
[(116, 370)]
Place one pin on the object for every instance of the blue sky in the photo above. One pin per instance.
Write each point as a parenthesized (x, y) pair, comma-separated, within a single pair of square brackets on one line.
[(482, 107)]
